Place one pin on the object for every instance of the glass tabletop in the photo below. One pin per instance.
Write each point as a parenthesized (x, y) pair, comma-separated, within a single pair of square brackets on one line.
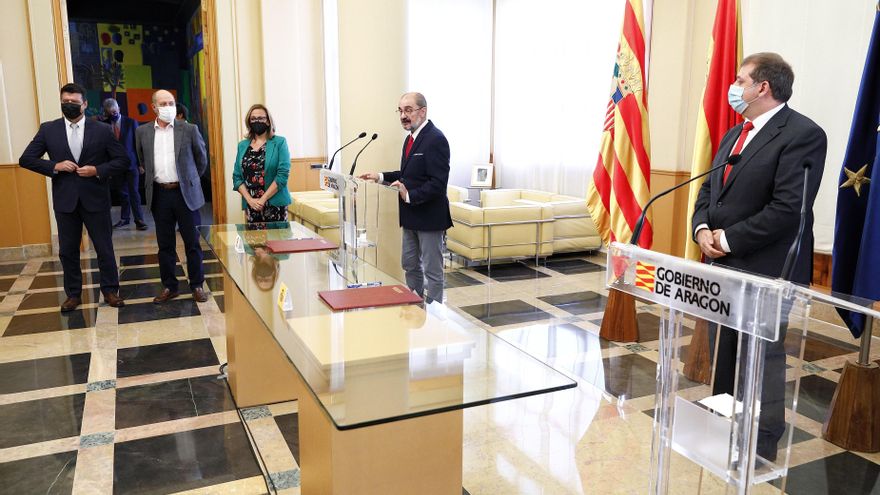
[(375, 365)]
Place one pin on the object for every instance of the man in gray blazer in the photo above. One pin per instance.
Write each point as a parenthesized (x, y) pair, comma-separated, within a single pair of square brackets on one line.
[(173, 155)]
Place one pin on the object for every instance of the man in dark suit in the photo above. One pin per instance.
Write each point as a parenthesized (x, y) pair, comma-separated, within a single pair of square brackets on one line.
[(83, 154), (424, 207), (173, 155), (747, 215), (128, 183)]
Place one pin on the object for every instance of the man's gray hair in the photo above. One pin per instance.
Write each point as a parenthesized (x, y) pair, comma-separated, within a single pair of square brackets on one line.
[(420, 98), (109, 103)]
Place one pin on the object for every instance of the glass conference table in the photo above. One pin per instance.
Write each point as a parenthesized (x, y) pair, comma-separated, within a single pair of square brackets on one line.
[(380, 391)]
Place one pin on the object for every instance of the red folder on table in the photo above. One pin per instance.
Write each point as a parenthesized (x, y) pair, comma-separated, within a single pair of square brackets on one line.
[(369, 297), (300, 245)]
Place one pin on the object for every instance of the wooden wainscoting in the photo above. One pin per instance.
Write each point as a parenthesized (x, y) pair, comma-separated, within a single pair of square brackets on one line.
[(24, 208), (670, 212), (302, 176), (822, 269)]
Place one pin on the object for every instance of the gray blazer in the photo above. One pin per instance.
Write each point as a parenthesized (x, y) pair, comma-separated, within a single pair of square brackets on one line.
[(192, 160)]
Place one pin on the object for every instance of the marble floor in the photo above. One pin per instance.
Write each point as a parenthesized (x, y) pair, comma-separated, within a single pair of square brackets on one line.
[(130, 400)]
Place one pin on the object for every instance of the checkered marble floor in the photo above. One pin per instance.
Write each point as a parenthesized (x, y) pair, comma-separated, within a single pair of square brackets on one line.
[(105, 400)]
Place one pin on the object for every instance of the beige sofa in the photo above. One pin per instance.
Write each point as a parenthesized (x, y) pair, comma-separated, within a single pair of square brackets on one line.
[(497, 232)]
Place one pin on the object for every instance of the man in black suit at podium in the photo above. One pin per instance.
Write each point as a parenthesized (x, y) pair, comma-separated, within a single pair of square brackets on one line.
[(83, 154), (747, 217), (424, 207)]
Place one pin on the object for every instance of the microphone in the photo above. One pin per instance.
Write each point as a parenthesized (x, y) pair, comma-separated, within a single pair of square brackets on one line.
[(795, 250), (354, 163), (361, 135), (637, 232)]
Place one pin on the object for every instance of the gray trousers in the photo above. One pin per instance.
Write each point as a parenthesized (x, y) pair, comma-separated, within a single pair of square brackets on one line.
[(422, 258)]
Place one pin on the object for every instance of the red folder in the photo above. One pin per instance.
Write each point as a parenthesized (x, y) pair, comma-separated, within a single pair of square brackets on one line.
[(300, 245), (369, 297)]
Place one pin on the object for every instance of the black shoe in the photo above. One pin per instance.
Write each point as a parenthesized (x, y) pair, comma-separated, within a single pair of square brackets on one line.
[(121, 223), (140, 225)]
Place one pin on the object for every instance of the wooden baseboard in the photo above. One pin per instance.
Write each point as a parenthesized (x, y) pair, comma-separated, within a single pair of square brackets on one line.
[(822, 269)]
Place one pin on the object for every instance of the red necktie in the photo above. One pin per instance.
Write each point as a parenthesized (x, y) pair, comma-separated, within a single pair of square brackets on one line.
[(116, 130), (409, 143), (737, 148)]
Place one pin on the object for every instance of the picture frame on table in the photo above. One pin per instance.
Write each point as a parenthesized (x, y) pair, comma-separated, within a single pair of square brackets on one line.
[(483, 175)]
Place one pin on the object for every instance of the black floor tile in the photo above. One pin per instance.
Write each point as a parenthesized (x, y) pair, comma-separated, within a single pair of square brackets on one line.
[(166, 401), (555, 341), (505, 312), (175, 308), (6, 284), (289, 426), (22, 423), (509, 272), (459, 279), (87, 264), (146, 272), (48, 474), (573, 267), (817, 346), (221, 302), (629, 375), (11, 268), (143, 360), (183, 461), (36, 374), (52, 321), (814, 397), (577, 303), (144, 289), (214, 283), (840, 473), (51, 281), (141, 259), (36, 300), (207, 254), (212, 268)]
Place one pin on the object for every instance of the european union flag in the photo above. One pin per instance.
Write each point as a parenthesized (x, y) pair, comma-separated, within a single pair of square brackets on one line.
[(856, 255)]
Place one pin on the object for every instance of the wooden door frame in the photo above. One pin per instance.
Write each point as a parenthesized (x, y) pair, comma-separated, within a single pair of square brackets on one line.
[(212, 81)]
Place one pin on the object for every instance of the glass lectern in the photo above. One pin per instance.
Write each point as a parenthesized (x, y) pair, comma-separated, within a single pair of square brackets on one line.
[(741, 436)]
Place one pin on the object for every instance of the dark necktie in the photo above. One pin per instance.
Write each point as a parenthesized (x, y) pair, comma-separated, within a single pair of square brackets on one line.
[(116, 130), (409, 143), (737, 148)]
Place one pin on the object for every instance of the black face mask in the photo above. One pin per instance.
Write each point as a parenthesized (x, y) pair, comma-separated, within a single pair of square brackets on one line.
[(71, 110), (259, 128)]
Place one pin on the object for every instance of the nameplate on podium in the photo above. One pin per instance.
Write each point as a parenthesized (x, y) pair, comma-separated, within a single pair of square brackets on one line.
[(300, 245), (369, 297)]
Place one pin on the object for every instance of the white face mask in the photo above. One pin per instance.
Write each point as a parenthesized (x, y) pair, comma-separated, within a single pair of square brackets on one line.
[(735, 98), (167, 114)]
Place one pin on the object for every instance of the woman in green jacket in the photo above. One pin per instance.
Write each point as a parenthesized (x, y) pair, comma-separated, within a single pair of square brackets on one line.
[(262, 166)]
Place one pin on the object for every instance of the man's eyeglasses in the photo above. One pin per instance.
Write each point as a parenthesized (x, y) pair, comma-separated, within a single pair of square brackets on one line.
[(408, 110)]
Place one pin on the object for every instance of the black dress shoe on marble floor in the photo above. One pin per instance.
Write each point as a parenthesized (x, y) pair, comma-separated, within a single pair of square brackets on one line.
[(70, 304), (113, 299), (140, 225), (166, 295), (120, 224), (199, 294)]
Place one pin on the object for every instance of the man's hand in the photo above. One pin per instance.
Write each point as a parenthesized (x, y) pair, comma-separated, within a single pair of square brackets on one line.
[(87, 171), (400, 189), (706, 240), (716, 238), (371, 176), (65, 166), (141, 170)]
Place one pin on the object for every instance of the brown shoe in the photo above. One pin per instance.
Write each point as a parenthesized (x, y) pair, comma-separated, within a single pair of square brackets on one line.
[(70, 304), (166, 295), (199, 294), (113, 299)]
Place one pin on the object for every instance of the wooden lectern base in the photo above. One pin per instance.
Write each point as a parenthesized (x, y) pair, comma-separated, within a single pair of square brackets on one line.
[(619, 322), (854, 416), (698, 361)]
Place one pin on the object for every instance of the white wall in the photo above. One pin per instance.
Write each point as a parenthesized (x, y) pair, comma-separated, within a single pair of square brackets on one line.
[(826, 43)]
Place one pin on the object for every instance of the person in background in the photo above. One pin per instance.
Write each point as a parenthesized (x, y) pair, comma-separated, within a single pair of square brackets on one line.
[(83, 154), (182, 112), (173, 154), (262, 167), (128, 183)]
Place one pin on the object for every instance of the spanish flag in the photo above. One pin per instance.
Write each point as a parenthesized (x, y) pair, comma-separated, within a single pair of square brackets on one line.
[(715, 116), (621, 180)]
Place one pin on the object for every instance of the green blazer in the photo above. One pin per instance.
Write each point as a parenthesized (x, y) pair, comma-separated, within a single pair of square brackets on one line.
[(277, 169)]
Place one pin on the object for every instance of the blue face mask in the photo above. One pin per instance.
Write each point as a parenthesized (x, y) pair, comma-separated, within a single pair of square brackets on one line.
[(735, 98)]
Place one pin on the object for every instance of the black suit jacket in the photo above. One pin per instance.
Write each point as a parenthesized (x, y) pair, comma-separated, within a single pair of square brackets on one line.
[(425, 174), (127, 126), (100, 148), (759, 205)]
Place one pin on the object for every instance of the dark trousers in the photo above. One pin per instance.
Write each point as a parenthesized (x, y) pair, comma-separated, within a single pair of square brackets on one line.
[(771, 423), (170, 211), (130, 196), (100, 229)]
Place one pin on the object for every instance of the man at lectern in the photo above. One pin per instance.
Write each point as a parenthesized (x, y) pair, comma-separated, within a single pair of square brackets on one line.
[(424, 207), (747, 215)]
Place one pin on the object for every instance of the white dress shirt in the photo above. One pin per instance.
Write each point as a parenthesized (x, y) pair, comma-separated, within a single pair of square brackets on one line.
[(164, 162), (415, 134), (80, 132), (759, 124)]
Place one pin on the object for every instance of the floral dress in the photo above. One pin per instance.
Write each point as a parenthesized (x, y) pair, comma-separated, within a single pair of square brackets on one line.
[(253, 167)]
